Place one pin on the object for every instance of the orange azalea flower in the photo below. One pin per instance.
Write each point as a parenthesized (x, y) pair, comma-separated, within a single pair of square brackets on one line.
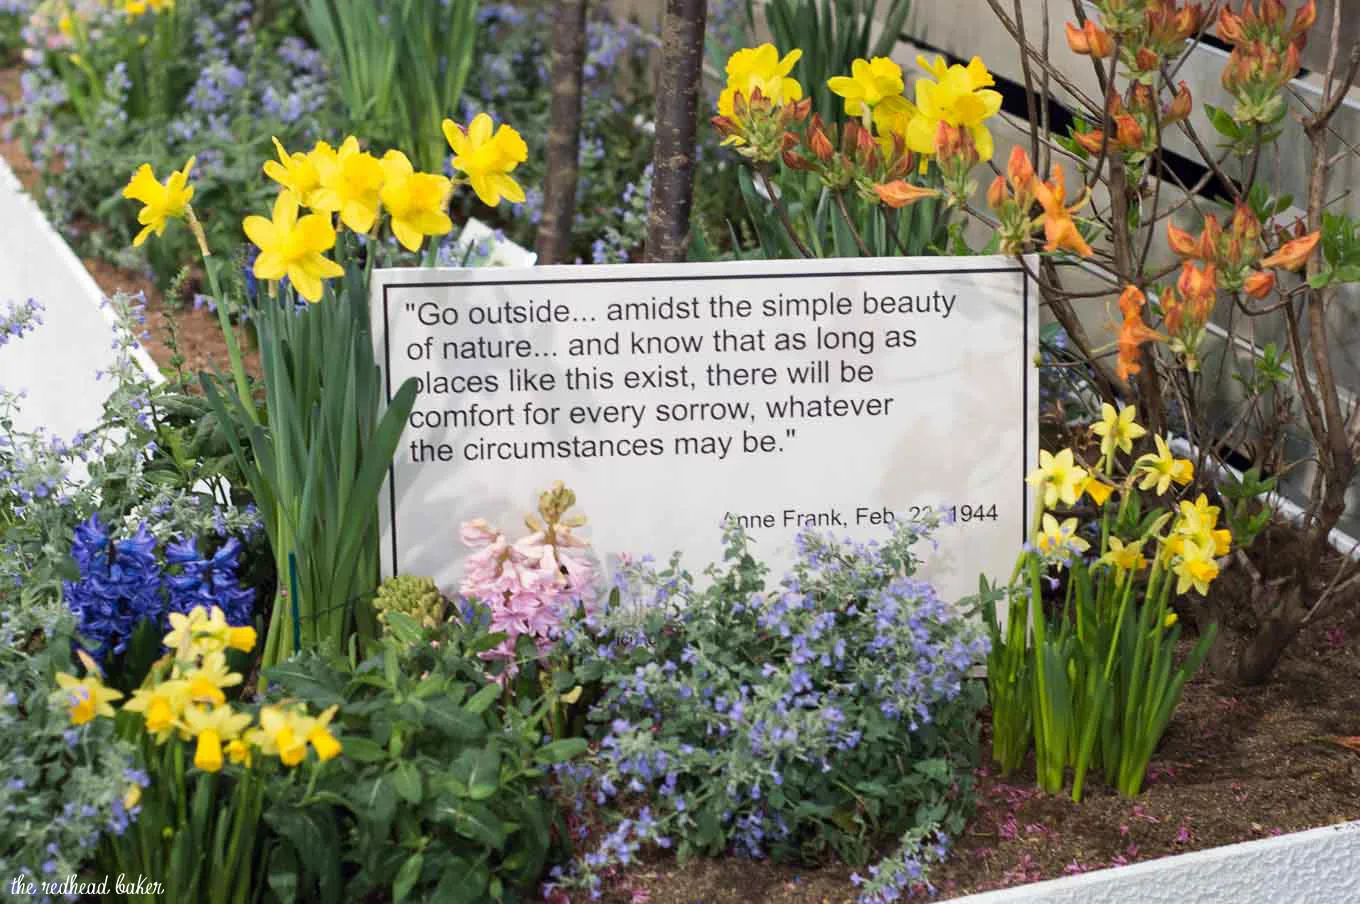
[(1090, 40), (996, 193), (1259, 284), (1019, 170), (1180, 107), (1294, 254), (1131, 338), (1182, 243), (1199, 288), (899, 193), (1131, 301), (1059, 228)]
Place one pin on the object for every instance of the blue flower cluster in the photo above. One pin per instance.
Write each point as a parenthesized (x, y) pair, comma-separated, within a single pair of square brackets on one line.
[(125, 582), (814, 718)]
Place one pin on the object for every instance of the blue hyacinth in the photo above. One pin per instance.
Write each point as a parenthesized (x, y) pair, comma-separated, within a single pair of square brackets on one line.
[(124, 583)]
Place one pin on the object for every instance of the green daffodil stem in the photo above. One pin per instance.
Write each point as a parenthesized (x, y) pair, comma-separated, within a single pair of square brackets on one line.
[(238, 370)]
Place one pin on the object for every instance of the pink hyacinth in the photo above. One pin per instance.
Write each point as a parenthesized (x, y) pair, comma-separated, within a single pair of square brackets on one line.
[(531, 584)]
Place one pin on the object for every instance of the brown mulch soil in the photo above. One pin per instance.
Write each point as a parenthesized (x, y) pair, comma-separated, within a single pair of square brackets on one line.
[(199, 335)]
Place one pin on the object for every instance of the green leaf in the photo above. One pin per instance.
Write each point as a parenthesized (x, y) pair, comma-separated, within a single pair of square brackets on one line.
[(479, 770), (561, 751), (474, 821), (406, 781), (407, 877), (298, 681), (364, 750), (482, 699), (454, 720)]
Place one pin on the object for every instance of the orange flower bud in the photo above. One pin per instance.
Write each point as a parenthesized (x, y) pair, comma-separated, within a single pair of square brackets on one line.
[(1244, 224), (820, 144), (997, 193), (1188, 19), (1019, 170), (1182, 243), (1272, 12), (1230, 26), (1146, 59), (796, 112), (1131, 301), (1077, 41), (1128, 132), (1180, 106), (1131, 338), (1259, 284), (1304, 17), (1173, 311), (1091, 141), (1293, 254), (1209, 237), (1100, 41), (900, 193)]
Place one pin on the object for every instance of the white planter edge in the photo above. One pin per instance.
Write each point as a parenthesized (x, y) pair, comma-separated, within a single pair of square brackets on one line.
[(1317, 866), (29, 218)]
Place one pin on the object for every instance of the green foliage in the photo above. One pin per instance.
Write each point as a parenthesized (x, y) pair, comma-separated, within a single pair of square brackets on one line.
[(828, 230), (231, 86), (63, 785), (316, 468), (156, 455), (440, 793), (810, 719), (1340, 249), (832, 34), (401, 67)]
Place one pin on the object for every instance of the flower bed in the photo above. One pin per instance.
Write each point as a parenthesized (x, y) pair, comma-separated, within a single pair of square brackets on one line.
[(208, 683)]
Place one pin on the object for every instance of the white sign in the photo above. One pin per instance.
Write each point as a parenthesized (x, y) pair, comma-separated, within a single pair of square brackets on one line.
[(837, 394)]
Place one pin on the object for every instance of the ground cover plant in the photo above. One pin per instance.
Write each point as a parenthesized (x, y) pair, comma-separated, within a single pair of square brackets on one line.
[(818, 718)]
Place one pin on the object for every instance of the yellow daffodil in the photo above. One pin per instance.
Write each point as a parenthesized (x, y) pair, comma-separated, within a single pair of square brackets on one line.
[(296, 172), (1125, 556), (162, 202), (1059, 477), (204, 631), (238, 751), (317, 732), (488, 158), (1160, 469), (351, 181), (1117, 429), (211, 727), (959, 96), (86, 697), (870, 83), (1059, 538), (1195, 567), (161, 706), (293, 247), (1097, 489), (762, 68), (208, 679), (279, 735), (414, 201)]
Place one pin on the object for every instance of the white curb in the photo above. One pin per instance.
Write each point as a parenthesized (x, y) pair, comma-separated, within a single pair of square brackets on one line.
[(57, 362), (1319, 866)]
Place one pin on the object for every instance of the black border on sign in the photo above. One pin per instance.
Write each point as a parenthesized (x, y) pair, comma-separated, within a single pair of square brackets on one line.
[(1024, 348)]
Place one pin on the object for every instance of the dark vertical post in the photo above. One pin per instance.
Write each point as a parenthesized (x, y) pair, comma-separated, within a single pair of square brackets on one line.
[(677, 107), (564, 132)]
